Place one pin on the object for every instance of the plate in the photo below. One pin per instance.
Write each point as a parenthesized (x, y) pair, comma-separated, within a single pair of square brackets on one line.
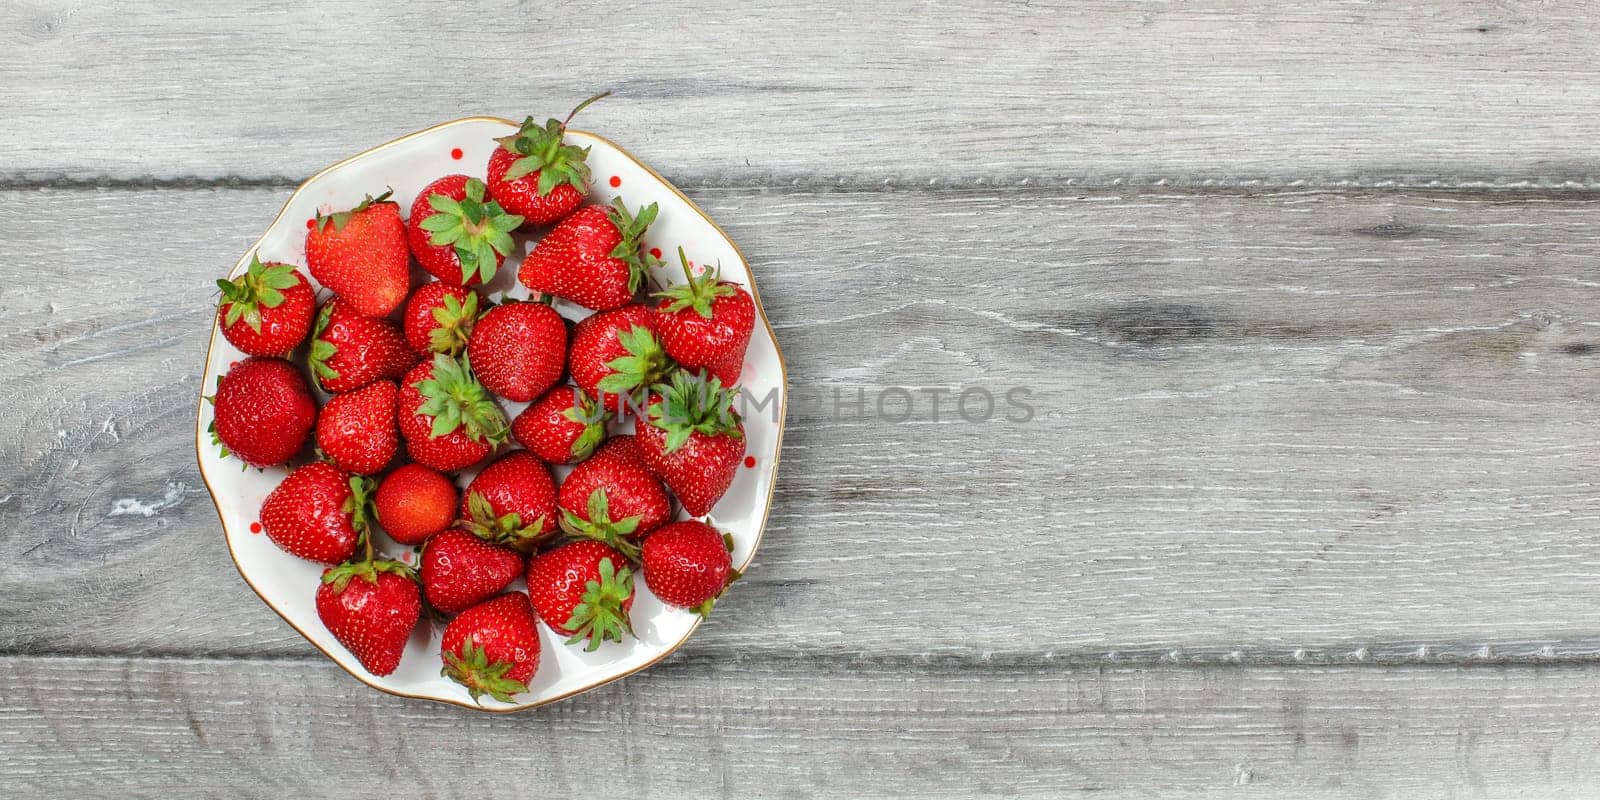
[(288, 584)]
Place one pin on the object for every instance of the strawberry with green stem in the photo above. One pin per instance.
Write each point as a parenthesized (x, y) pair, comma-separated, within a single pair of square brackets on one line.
[(362, 256), (693, 439), (583, 590), (350, 350), (492, 648), (266, 311), (688, 564), (596, 257), (371, 607), (706, 323), (318, 513), (616, 354), (458, 236), (447, 418), (534, 173), (612, 499), (562, 427), (512, 502), (439, 318)]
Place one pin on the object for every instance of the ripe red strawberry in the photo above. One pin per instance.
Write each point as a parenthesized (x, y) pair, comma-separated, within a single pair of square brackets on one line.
[(623, 446), (457, 236), (349, 351), (370, 607), (361, 254), (317, 513), (414, 502), (616, 354), (595, 257), (688, 564), (357, 429), (263, 411), (584, 590), (518, 349), (266, 311), (693, 439), (511, 502), (535, 174), (460, 570), (611, 499), (439, 318), (563, 427), (493, 647), (706, 323), (448, 420)]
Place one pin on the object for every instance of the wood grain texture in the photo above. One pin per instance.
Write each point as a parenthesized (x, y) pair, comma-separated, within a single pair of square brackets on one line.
[(178, 729), (900, 92), (1289, 426)]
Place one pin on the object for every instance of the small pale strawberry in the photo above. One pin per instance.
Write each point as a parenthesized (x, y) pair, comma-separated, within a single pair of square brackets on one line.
[(414, 502), (595, 257), (266, 311), (262, 411), (457, 236), (518, 349), (318, 513), (688, 564), (616, 356), (357, 429), (447, 418), (562, 427), (584, 590), (439, 318), (511, 502), (692, 439), (492, 648), (371, 608), (460, 570), (362, 255), (349, 350), (536, 174)]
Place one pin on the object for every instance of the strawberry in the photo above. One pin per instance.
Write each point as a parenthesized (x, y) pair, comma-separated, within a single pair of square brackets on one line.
[(562, 427), (459, 570), (349, 350), (357, 429), (371, 608), (448, 420), (317, 513), (706, 323), (518, 349), (594, 257), (584, 590), (692, 439), (263, 411), (615, 354), (511, 502), (455, 235), (361, 254), (688, 564), (492, 648), (622, 446), (439, 318), (414, 502), (535, 174), (266, 311), (611, 499)]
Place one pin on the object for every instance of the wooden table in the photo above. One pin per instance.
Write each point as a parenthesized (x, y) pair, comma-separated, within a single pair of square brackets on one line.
[(1307, 297)]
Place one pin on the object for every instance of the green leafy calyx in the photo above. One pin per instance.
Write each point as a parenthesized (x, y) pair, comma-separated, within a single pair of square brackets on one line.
[(631, 249), (341, 575), (592, 416), (479, 231), (261, 286), (644, 365), (698, 293), (455, 400), (507, 529), (322, 350), (455, 319), (539, 148), (471, 668), (341, 218), (599, 615), (601, 527), (693, 404)]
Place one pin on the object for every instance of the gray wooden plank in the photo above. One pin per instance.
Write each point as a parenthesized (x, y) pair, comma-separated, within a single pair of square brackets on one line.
[(1293, 425), (730, 728), (1240, 92)]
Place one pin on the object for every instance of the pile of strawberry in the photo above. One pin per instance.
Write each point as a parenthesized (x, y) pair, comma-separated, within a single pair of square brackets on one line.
[(413, 378)]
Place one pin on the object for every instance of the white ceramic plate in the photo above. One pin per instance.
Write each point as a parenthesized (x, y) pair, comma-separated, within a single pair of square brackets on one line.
[(288, 584)]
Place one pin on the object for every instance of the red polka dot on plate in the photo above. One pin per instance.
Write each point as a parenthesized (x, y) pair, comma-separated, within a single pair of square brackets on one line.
[(232, 364), (406, 556), (615, 181), (255, 527), (750, 462), (456, 154), (655, 251)]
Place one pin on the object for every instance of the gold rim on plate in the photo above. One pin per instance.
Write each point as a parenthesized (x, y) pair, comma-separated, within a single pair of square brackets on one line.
[(783, 373)]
